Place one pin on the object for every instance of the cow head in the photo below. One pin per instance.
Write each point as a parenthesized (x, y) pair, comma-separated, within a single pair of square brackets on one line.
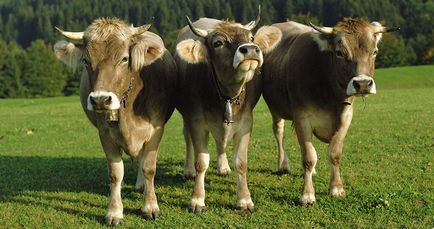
[(231, 49), (112, 53), (353, 46)]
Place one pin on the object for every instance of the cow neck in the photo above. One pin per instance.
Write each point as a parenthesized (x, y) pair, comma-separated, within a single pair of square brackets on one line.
[(228, 101)]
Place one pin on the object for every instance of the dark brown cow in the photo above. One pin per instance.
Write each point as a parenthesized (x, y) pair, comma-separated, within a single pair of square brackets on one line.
[(127, 92), (312, 78), (219, 86)]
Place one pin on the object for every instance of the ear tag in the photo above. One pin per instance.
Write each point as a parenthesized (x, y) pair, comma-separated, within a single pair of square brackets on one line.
[(228, 112)]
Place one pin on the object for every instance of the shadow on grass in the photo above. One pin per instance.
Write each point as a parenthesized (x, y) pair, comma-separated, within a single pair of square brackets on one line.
[(24, 178)]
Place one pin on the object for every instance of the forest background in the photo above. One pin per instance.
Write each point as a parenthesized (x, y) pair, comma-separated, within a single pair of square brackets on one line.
[(28, 67)]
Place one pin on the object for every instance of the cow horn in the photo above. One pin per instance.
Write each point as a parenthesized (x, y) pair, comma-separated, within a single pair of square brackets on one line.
[(77, 36), (197, 31), (325, 30), (251, 25), (387, 29), (141, 29), (382, 29)]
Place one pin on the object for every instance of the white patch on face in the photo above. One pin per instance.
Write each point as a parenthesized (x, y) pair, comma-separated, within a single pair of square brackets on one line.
[(114, 105), (351, 90), (239, 57)]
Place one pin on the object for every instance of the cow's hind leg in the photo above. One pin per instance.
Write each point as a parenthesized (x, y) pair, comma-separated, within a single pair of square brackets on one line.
[(241, 141), (200, 144), (150, 207), (279, 134), (116, 173), (189, 170), (309, 159), (223, 168)]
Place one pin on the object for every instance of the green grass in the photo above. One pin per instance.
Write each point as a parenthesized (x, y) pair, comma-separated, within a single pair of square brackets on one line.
[(53, 171)]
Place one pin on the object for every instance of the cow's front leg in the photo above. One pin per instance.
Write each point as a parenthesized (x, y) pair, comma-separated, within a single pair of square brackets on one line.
[(116, 173), (241, 141), (335, 152), (189, 170), (308, 158), (200, 142), (279, 134), (150, 207)]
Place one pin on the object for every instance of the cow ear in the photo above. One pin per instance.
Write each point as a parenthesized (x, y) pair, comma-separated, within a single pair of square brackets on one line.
[(147, 48), (192, 51), (68, 53), (267, 38)]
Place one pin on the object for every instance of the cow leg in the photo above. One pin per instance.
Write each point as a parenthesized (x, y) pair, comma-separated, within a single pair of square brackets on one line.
[(335, 153), (116, 173), (279, 134), (308, 157), (140, 181), (241, 141), (189, 170), (200, 144), (150, 208), (223, 168)]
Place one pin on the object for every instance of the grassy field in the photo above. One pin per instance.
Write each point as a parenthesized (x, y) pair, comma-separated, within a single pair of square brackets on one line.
[(53, 171)]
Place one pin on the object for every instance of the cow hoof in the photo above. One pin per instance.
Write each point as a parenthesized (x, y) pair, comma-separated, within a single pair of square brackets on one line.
[(151, 211), (337, 192), (189, 175), (196, 209), (224, 171), (282, 172), (113, 221), (151, 215), (245, 206), (307, 199), (245, 210)]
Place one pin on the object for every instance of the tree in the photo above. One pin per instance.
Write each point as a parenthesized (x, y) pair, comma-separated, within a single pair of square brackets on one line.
[(10, 70), (393, 52), (43, 74)]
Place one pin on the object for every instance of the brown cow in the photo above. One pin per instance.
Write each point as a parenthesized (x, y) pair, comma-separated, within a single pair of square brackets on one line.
[(312, 78), (218, 64), (127, 92)]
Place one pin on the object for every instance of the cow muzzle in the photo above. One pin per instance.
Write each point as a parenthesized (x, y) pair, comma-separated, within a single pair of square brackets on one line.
[(248, 57), (361, 85), (104, 102)]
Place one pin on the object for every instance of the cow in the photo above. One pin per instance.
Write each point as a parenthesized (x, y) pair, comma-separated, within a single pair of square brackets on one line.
[(312, 78), (127, 91), (219, 85)]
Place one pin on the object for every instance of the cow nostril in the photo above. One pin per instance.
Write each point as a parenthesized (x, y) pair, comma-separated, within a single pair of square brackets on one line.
[(107, 100), (371, 82), (257, 50), (243, 50), (92, 101), (356, 85)]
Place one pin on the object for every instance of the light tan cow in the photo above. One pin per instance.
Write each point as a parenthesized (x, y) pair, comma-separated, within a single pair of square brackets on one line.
[(313, 78), (127, 92), (218, 64)]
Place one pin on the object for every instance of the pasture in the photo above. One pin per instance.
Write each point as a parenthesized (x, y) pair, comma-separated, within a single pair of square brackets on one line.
[(53, 171)]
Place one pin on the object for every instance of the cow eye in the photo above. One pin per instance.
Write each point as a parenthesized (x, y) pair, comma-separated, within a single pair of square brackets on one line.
[(339, 54), (125, 59), (252, 38), (217, 44)]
